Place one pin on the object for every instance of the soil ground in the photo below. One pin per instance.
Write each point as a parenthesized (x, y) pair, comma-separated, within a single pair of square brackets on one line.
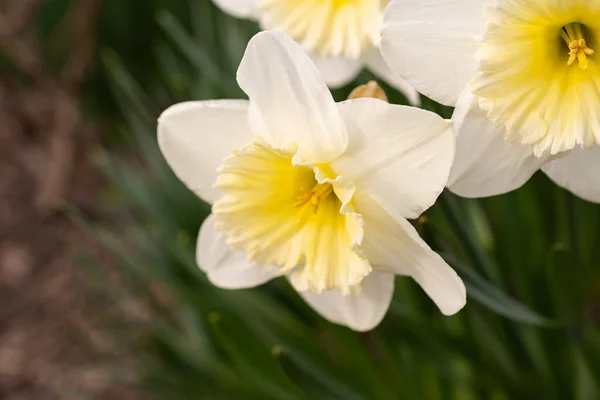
[(54, 343)]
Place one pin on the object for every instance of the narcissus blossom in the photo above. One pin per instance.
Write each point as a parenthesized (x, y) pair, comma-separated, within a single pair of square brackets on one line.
[(341, 35), (312, 190), (524, 75)]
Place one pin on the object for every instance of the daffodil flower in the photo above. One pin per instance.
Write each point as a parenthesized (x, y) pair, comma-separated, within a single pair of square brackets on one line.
[(341, 35), (313, 190), (524, 76)]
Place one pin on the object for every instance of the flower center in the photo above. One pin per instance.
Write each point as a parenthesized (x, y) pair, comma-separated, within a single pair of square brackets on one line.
[(572, 34), (524, 83), (281, 216), (314, 196)]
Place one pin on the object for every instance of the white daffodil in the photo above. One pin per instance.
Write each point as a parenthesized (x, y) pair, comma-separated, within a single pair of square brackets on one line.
[(313, 190), (525, 79), (341, 35)]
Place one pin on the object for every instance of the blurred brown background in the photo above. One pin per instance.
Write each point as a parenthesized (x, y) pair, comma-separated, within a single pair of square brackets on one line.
[(52, 342)]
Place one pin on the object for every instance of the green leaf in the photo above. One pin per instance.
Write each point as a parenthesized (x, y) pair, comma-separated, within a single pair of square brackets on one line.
[(495, 299)]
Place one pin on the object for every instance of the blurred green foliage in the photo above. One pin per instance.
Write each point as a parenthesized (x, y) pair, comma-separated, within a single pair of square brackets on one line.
[(530, 260)]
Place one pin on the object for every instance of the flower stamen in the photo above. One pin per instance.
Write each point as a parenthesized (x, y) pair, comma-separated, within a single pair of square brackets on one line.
[(314, 196), (573, 36)]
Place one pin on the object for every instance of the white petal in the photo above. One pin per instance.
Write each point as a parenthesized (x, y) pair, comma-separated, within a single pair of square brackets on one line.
[(432, 43), (289, 99), (376, 64), (361, 312), (392, 244), (578, 172), (337, 71), (224, 267), (485, 163), (239, 8), (194, 137), (400, 154)]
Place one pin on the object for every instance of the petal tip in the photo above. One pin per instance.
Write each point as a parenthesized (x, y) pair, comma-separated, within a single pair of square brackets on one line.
[(458, 302)]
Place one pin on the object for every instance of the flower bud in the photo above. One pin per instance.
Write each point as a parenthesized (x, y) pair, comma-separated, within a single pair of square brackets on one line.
[(371, 89)]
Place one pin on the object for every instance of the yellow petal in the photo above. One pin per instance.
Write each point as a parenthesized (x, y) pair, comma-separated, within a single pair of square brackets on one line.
[(280, 215), (328, 28)]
